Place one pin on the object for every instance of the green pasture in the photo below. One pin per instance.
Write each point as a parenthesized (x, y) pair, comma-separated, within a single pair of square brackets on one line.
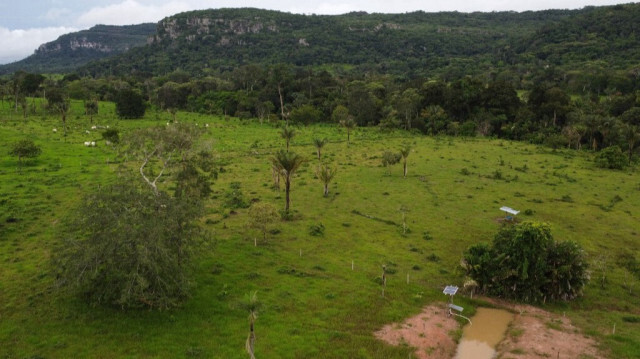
[(313, 305)]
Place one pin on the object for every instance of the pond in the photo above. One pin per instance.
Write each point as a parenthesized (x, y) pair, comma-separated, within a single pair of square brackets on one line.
[(480, 338)]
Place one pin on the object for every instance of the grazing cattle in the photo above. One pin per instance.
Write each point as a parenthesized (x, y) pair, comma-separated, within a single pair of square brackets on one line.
[(87, 144), (94, 127), (55, 130)]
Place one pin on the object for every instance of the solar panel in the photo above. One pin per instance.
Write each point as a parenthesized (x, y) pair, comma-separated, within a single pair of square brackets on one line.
[(450, 290), (509, 210)]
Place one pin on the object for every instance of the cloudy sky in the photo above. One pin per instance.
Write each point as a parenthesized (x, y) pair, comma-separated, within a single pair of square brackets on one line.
[(25, 24)]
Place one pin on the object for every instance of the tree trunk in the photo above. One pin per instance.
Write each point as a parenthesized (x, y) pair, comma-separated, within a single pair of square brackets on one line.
[(326, 189), (405, 168), (287, 187), (282, 105)]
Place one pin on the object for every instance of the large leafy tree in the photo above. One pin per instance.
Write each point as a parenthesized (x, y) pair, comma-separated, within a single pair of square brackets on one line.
[(130, 104), (130, 244), (524, 262), (287, 163), (129, 247)]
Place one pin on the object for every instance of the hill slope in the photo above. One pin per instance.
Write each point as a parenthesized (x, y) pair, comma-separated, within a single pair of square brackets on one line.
[(407, 44), (69, 51)]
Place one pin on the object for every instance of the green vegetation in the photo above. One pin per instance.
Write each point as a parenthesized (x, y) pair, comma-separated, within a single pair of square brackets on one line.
[(72, 50), (24, 149), (524, 262), (308, 291)]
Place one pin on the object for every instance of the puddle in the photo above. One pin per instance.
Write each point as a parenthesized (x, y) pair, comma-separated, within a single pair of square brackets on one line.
[(488, 329)]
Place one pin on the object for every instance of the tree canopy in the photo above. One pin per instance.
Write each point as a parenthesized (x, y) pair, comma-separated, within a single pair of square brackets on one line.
[(524, 262)]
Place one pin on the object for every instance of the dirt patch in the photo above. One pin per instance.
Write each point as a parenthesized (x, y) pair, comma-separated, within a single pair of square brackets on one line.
[(428, 332), (535, 333)]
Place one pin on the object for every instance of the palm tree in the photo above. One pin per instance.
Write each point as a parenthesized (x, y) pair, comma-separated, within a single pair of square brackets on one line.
[(252, 307), (319, 143), (326, 174), (348, 124), (404, 152), (287, 133), (287, 163)]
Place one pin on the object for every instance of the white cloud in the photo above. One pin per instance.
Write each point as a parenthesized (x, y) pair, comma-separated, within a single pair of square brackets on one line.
[(130, 12), (18, 44)]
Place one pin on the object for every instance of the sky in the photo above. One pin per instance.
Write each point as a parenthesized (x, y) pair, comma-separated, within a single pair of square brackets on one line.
[(26, 24)]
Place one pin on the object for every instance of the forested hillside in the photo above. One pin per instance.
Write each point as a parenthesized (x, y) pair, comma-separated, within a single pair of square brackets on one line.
[(410, 45), (69, 51)]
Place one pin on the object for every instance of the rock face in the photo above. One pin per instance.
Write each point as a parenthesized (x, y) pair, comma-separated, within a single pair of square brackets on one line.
[(198, 25), (74, 44)]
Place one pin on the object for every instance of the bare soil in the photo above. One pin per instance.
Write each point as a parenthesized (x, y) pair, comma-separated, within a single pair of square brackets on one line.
[(429, 332), (534, 333)]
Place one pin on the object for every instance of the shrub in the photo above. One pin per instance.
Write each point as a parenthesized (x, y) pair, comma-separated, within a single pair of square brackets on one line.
[(612, 158), (112, 135), (316, 229), (130, 104)]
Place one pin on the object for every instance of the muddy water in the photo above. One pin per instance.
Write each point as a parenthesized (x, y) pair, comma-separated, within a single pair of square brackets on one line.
[(479, 339)]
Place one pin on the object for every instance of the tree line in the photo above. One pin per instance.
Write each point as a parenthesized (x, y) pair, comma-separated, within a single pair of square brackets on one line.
[(593, 110)]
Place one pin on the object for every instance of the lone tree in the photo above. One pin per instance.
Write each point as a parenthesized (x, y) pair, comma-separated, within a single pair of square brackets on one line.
[(91, 108), (349, 124), (130, 245), (524, 262), (287, 133), (287, 163), (325, 174), (261, 217), (58, 102), (130, 104), (25, 149), (404, 152), (319, 144)]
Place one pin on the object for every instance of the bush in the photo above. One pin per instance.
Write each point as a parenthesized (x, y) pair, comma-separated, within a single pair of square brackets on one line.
[(524, 262), (611, 157), (112, 135), (130, 104), (316, 229)]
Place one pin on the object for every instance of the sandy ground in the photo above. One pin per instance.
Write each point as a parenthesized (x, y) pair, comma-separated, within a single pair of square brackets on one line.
[(428, 332), (534, 333)]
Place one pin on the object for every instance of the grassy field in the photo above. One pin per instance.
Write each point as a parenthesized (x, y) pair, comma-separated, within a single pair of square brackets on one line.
[(312, 303)]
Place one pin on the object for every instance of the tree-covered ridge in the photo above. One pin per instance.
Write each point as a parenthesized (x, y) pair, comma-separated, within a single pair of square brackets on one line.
[(71, 50), (411, 44), (606, 33)]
